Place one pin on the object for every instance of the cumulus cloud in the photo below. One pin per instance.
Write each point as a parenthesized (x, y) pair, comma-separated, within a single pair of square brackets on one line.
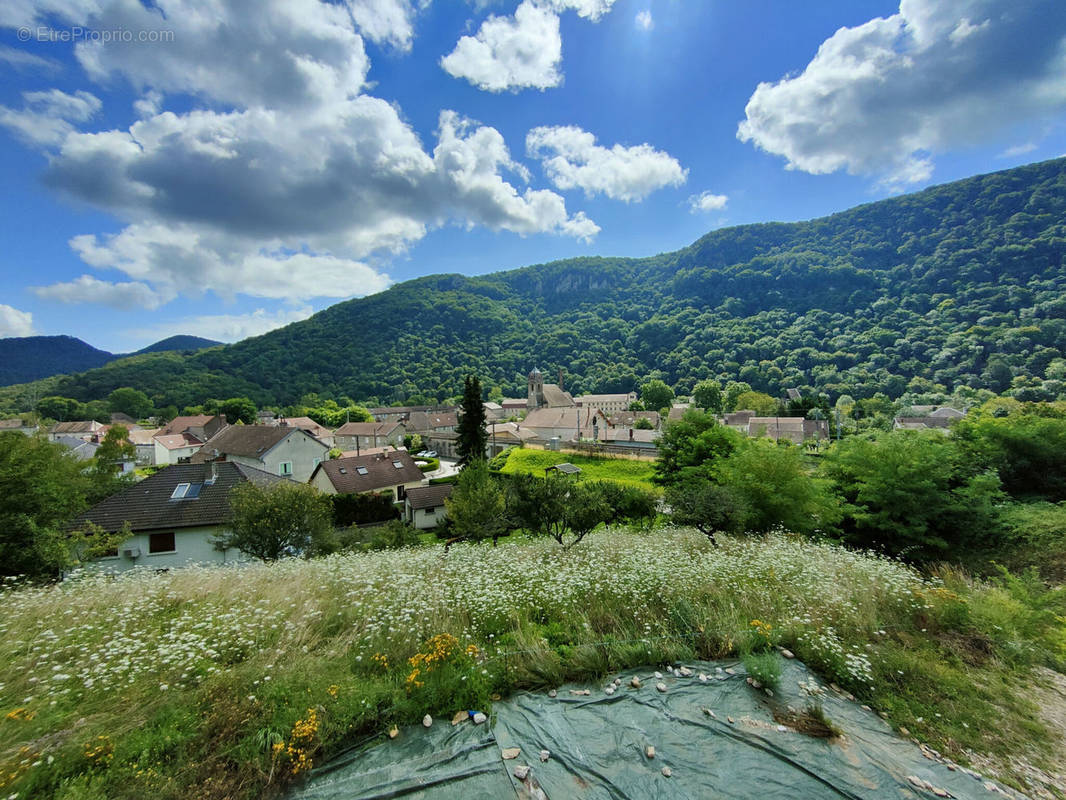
[(707, 201), (87, 289), (572, 160), (225, 327), (644, 20), (47, 117), (524, 51), (387, 21), (886, 96), (519, 52), (14, 322), (286, 181)]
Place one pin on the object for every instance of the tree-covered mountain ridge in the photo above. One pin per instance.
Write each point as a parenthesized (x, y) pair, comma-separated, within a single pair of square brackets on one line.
[(27, 358), (957, 285)]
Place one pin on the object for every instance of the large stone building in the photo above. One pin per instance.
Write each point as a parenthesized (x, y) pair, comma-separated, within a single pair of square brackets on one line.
[(545, 395)]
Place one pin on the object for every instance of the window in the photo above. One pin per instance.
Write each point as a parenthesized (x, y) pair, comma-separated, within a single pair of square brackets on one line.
[(161, 543), (285, 468), (186, 491), (361, 470), (398, 464)]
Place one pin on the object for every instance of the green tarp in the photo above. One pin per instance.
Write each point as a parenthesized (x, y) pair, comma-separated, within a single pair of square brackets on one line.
[(598, 748)]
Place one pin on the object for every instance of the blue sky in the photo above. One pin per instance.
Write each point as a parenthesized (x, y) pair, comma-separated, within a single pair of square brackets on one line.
[(221, 167)]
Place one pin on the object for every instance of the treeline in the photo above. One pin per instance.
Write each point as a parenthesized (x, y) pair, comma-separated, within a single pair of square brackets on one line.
[(958, 286), (992, 490)]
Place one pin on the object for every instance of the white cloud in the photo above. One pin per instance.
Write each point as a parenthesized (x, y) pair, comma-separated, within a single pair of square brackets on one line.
[(644, 20), (289, 206), (1018, 150), (589, 9), (572, 159), (524, 51), (283, 181), (706, 201), (519, 52), (14, 322), (279, 53), (47, 117), (884, 97), (87, 289), (20, 59), (224, 327), (388, 21)]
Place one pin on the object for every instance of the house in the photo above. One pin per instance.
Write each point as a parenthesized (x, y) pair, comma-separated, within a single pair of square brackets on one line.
[(323, 434), (627, 419), (174, 448), (738, 420), (81, 430), (367, 435), (143, 440), (922, 423), (424, 505), (794, 429), (494, 412), (423, 422), (506, 434), (402, 413), (83, 449), (16, 425), (545, 395), (394, 471), (677, 410), (568, 424), (947, 412), (202, 426), (125, 420), (174, 516), (514, 406), (630, 438), (607, 402), (288, 452)]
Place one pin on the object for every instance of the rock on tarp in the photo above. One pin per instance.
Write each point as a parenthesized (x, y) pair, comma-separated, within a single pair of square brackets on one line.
[(598, 749)]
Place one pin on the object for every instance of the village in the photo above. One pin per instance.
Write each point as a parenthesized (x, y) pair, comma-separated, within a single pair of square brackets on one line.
[(177, 508)]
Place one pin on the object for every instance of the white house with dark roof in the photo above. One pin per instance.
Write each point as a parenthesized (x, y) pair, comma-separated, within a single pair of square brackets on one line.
[(424, 505), (290, 453), (175, 516)]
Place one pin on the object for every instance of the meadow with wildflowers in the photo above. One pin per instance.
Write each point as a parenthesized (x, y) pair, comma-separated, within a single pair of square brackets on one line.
[(232, 682)]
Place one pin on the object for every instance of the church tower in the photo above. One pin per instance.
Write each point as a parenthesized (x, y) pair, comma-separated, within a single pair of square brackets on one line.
[(535, 386)]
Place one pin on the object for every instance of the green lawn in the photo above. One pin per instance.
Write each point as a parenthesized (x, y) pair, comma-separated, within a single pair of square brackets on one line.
[(620, 470)]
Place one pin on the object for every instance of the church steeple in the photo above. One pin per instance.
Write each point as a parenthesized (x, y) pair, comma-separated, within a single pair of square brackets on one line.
[(535, 390)]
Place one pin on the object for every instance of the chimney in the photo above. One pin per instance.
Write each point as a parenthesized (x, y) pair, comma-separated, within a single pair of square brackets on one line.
[(561, 388)]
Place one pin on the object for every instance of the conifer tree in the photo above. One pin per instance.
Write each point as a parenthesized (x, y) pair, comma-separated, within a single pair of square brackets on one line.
[(472, 436)]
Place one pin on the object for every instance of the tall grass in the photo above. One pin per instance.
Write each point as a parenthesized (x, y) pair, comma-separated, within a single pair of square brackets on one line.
[(229, 682)]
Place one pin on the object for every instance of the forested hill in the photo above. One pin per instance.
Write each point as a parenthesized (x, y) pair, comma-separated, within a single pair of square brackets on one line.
[(961, 284), (27, 358)]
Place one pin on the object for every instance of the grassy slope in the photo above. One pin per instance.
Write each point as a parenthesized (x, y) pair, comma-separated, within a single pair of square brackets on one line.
[(621, 470), (208, 683)]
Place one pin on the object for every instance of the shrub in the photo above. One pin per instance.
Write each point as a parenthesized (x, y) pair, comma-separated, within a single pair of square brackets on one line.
[(765, 667)]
